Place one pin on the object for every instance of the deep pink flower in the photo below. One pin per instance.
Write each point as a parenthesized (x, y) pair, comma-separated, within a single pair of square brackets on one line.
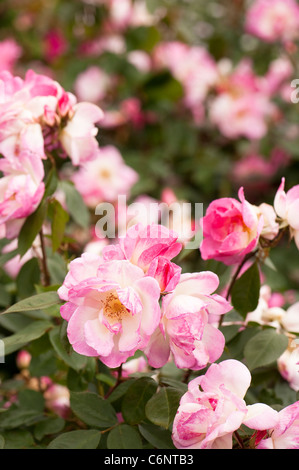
[(231, 229)]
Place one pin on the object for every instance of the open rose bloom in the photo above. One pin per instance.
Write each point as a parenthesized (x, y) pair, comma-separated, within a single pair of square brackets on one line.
[(112, 308), (36, 112), (285, 434), (185, 331), (231, 230), (214, 407)]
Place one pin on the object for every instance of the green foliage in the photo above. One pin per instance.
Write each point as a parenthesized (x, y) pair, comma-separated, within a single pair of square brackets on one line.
[(246, 291)]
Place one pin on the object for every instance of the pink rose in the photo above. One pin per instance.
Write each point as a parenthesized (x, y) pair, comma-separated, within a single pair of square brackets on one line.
[(286, 206), (10, 52), (214, 407), (78, 137), (104, 178), (184, 330), (92, 84), (288, 365), (285, 434), (37, 116), (111, 314), (231, 230), (21, 190), (273, 20), (57, 399), (151, 248)]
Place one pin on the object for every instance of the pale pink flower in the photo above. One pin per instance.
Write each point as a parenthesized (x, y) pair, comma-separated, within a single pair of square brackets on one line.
[(78, 137), (192, 66), (231, 229), (104, 178), (21, 190), (286, 206), (10, 52), (242, 107), (57, 399), (214, 407), (84, 267), (285, 434), (184, 330), (273, 20), (113, 314), (271, 227), (38, 115), (140, 59), (92, 85), (288, 365), (265, 313), (133, 366)]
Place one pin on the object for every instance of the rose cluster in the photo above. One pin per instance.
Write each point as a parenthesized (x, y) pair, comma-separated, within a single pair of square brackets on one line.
[(38, 117)]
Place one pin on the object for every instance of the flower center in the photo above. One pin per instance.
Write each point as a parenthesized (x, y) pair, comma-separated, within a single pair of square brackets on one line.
[(114, 310)]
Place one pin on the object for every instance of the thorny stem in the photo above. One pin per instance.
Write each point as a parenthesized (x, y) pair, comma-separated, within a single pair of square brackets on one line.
[(45, 273)]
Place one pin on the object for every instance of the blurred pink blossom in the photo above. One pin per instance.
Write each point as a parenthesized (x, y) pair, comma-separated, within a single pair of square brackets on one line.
[(92, 85), (10, 52), (273, 20), (104, 178)]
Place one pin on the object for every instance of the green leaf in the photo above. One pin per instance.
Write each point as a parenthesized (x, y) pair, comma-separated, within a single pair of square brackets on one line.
[(28, 277), (59, 220), (36, 302), (246, 291), (51, 183), (31, 332), (2, 442), (15, 417), (47, 427), (31, 228), (72, 359), (18, 439), (135, 399), (75, 204), (31, 400), (80, 439), (93, 410), (120, 391), (264, 348), (158, 437), (162, 407), (124, 437)]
